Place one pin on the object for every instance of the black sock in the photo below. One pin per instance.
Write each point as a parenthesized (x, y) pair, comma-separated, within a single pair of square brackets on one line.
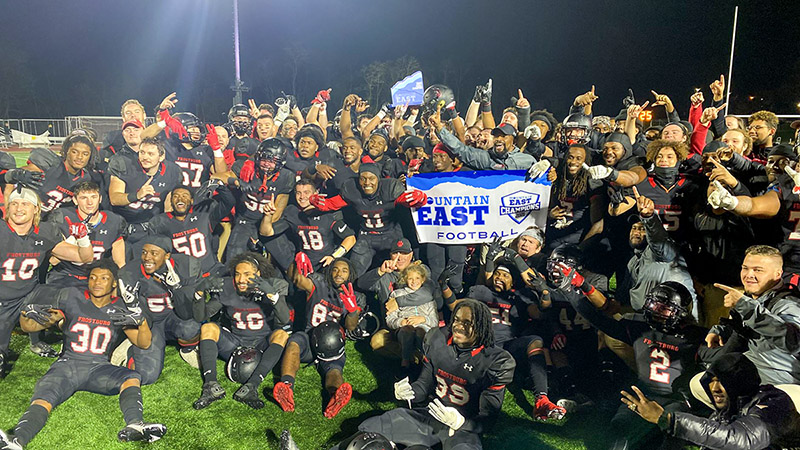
[(31, 423), (538, 371), (288, 379), (130, 402), (36, 337), (208, 360), (269, 358)]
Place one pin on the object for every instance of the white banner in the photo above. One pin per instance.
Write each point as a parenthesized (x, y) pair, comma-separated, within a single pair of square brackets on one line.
[(476, 207)]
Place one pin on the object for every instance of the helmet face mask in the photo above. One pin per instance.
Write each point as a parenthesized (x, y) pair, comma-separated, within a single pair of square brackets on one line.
[(576, 129), (271, 156), (568, 255), (666, 306)]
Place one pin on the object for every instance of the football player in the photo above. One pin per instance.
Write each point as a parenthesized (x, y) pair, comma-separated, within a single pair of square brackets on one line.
[(310, 151), (331, 298), (107, 233), (253, 304), (25, 244), (464, 372), (93, 319), (375, 200), (153, 281), (271, 182), (187, 150), (244, 146), (316, 232)]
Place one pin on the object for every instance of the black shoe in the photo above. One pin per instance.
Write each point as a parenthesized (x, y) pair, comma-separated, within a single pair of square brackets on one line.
[(287, 443), (142, 432), (2, 365), (212, 391), (44, 350), (248, 395)]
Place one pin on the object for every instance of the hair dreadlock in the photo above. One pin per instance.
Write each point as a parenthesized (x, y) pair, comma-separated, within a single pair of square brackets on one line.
[(579, 184), (261, 263), (351, 277), (481, 321)]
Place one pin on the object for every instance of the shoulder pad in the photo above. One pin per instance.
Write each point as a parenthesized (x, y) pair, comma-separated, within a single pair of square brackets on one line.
[(7, 162), (44, 158), (501, 371)]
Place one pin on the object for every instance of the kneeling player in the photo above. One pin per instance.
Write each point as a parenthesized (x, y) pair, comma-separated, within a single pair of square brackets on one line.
[(255, 306), (93, 319), (330, 297), (467, 376)]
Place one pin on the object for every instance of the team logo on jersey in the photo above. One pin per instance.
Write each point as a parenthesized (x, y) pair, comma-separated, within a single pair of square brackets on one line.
[(518, 205), (103, 231), (194, 218), (38, 242), (161, 184), (468, 367)]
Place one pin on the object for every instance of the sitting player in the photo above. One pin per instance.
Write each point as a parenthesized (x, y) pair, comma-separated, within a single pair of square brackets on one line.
[(254, 306), (331, 298), (93, 319)]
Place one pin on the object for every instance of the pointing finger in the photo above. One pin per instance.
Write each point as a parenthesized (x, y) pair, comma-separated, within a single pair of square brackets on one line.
[(592, 91), (655, 94), (520, 94), (718, 185), (724, 288), (636, 193), (645, 104), (586, 166), (721, 107), (722, 78)]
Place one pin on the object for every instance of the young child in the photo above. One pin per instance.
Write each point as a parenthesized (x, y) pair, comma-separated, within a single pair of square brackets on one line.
[(411, 311)]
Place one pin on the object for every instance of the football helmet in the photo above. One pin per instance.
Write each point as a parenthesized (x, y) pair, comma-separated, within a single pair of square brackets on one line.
[(435, 96), (568, 254), (242, 364), (188, 120), (270, 157), (327, 341), (666, 306), (368, 324), (576, 129), (240, 128), (367, 440)]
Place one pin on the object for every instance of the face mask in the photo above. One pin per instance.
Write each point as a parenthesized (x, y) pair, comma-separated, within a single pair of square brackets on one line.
[(241, 127), (666, 175)]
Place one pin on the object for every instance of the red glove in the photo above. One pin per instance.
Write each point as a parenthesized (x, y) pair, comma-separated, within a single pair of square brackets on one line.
[(413, 199), (173, 125), (322, 96), (77, 229), (573, 278), (212, 138), (348, 297), (229, 157), (322, 203), (303, 264), (248, 171), (559, 342)]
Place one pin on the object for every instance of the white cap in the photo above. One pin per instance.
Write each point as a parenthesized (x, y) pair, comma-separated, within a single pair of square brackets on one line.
[(26, 194)]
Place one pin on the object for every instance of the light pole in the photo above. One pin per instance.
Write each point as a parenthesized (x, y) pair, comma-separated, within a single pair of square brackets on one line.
[(238, 85)]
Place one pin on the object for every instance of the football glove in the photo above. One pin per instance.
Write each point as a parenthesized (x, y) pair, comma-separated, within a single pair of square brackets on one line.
[(38, 313), (600, 172), (127, 319), (303, 264), (348, 298), (26, 178), (403, 390), (446, 414)]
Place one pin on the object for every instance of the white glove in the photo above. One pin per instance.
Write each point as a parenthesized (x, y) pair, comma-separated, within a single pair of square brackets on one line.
[(599, 172), (533, 132), (283, 113), (446, 414), (273, 298), (795, 175), (403, 390), (172, 279), (537, 169), (721, 198), (562, 223), (128, 293)]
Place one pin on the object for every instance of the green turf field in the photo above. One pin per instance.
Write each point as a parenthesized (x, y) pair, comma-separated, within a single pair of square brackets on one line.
[(90, 421)]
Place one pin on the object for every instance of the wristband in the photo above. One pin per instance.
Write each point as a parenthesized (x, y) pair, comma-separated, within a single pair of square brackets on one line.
[(161, 124), (132, 198), (381, 114), (218, 153), (587, 288), (486, 107), (339, 252), (83, 242)]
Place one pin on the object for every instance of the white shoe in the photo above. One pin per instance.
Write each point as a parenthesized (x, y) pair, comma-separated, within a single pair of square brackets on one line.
[(120, 355), (143, 432), (8, 443), (191, 356)]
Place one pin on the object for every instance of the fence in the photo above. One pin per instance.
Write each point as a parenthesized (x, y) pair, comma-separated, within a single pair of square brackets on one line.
[(61, 128)]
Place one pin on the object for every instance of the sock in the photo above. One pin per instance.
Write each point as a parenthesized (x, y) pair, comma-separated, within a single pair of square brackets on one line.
[(36, 337), (269, 358), (130, 402), (288, 379), (537, 370), (31, 423), (208, 360)]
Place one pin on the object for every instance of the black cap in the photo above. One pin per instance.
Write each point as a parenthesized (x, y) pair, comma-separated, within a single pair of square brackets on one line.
[(713, 146), (505, 129), (401, 246), (413, 142), (380, 132), (783, 150), (159, 241)]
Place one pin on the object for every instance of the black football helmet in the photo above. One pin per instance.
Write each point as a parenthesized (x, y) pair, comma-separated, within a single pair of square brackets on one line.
[(666, 306), (270, 157), (368, 324), (240, 110), (434, 96), (568, 254), (327, 341), (242, 364), (367, 440), (576, 129), (188, 120)]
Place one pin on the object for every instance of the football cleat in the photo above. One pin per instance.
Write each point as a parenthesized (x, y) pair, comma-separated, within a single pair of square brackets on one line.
[(287, 443), (8, 442), (212, 391), (191, 356), (2, 365), (339, 400), (44, 350), (545, 409), (575, 402), (284, 395), (248, 395), (142, 432), (120, 355)]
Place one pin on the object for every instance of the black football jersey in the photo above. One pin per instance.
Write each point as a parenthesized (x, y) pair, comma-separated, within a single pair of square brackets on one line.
[(195, 163), (675, 204), (509, 311), (103, 235), (190, 236), (243, 147), (297, 164), (315, 233), (58, 186), (789, 219), (324, 302), (89, 334), (461, 376), (166, 179), (122, 163), (249, 205), (377, 211), (250, 321), (577, 210), (21, 257)]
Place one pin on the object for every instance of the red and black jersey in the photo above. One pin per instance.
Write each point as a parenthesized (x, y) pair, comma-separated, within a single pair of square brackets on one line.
[(243, 147), (249, 320), (110, 229), (249, 205), (377, 211), (21, 257), (195, 163), (167, 177), (673, 204), (509, 311), (471, 380), (58, 186), (324, 302), (577, 208), (789, 220), (315, 233), (89, 334), (298, 164), (662, 358)]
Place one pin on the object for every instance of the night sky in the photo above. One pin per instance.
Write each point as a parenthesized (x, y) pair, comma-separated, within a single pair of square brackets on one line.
[(86, 57)]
